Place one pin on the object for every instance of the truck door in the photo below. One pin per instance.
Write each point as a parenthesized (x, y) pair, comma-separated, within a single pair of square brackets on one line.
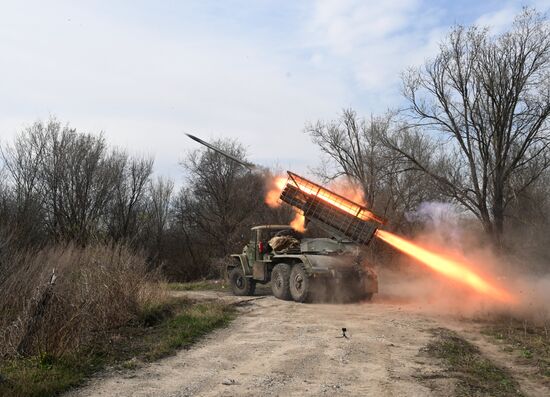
[(252, 247)]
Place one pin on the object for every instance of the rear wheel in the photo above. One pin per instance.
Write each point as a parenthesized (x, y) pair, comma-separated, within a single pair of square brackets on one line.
[(299, 283), (240, 284), (280, 281)]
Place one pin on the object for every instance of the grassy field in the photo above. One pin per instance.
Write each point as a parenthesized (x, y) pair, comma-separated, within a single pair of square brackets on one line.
[(477, 376), (160, 331)]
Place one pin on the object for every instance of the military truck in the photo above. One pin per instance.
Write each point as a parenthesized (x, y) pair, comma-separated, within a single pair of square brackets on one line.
[(307, 266), (301, 271)]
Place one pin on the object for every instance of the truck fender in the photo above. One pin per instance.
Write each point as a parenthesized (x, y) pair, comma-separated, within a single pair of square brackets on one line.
[(239, 260)]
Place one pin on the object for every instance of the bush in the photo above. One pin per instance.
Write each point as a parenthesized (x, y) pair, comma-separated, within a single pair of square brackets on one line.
[(56, 299)]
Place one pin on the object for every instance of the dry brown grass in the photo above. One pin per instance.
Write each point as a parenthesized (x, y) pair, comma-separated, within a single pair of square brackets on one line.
[(59, 298)]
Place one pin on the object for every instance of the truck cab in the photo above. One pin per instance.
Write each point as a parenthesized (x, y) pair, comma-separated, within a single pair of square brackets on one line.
[(258, 248)]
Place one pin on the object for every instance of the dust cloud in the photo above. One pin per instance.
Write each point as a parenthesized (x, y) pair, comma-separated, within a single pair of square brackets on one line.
[(444, 229)]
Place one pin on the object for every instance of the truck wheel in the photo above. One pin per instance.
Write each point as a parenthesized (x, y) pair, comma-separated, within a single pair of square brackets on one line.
[(240, 284), (280, 281), (299, 283)]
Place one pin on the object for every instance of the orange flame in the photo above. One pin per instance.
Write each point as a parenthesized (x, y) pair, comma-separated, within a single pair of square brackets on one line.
[(448, 267), (276, 185), (299, 223)]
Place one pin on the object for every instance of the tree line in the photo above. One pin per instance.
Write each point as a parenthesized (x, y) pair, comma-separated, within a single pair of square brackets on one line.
[(61, 186)]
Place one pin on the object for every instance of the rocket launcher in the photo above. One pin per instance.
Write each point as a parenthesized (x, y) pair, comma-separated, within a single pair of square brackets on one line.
[(334, 213)]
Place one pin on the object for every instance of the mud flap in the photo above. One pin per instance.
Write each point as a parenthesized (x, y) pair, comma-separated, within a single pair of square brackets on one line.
[(259, 271)]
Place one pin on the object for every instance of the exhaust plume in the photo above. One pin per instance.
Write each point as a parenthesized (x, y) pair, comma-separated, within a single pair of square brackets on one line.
[(457, 270), (445, 229)]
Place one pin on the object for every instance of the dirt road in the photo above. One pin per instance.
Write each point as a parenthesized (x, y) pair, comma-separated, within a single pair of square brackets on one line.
[(277, 348)]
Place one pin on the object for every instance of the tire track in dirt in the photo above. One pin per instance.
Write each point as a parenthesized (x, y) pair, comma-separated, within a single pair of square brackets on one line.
[(279, 348), (525, 375), (284, 348)]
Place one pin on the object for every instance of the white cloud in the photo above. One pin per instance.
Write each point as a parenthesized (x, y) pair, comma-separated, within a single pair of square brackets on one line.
[(377, 39), (347, 24), (144, 89), (498, 21)]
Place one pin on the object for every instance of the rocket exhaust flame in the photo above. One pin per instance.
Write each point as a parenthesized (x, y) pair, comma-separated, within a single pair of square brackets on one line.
[(276, 185), (299, 222), (450, 268)]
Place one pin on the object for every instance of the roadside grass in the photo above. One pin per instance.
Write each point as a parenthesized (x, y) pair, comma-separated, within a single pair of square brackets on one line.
[(529, 344), (477, 376), (158, 332), (203, 285)]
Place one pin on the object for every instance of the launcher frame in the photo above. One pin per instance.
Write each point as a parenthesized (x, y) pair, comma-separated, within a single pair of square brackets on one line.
[(352, 221)]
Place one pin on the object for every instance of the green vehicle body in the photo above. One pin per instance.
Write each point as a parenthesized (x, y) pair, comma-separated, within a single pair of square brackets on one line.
[(325, 260)]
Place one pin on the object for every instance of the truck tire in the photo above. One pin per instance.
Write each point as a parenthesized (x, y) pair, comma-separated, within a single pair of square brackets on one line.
[(240, 284), (280, 281), (299, 283)]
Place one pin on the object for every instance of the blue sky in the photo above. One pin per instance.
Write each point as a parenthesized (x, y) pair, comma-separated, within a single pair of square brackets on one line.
[(143, 72)]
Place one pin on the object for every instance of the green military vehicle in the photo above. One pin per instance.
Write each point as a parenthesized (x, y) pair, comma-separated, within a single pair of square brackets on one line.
[(300, 269)]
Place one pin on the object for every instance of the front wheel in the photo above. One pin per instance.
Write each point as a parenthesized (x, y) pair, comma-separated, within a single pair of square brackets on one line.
[(299, 283), (240, 284)]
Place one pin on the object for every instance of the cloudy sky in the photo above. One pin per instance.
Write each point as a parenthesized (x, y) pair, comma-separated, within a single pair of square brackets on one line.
[(143, 72)]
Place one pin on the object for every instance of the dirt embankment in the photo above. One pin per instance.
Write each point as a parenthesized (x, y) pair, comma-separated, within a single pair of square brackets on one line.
[(283, 348)]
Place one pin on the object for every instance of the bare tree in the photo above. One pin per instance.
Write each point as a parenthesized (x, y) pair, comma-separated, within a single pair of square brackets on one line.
[(80, 178), (61, 182), (24, 159), (129, 196), (487, 98), (352, 144), (160, 196), (357, 151), (22, 163), (221, 198)]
